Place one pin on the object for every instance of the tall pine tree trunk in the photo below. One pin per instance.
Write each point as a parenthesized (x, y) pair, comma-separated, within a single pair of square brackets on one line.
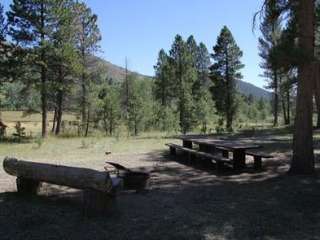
[(303, 157), (288, 107), (317, 92), (59, 102), (284, 109), (276, 99), (229, 92), (88, 121), (44, 100), (59, 112), (54, 120)]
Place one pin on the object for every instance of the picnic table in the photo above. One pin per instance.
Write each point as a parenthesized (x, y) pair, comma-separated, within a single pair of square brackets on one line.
[(212, 145)]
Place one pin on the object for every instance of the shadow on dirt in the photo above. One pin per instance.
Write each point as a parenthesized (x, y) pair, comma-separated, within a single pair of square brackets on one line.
[(183, 202)]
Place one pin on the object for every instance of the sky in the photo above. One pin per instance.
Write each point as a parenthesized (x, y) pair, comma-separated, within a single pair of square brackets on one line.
[(138, 29)]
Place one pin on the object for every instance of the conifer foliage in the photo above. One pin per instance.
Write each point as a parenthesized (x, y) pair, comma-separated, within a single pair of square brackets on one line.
[(224, 73)]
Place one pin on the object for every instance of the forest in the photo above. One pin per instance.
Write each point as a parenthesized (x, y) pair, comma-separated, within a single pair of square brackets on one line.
[(59, 72)]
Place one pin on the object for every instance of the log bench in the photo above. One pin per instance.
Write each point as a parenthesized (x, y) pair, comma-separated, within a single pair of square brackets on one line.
[(205, 157), (257, 157), (99, 188)]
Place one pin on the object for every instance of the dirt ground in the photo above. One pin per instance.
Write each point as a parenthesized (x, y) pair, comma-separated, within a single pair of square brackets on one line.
[(182, 202)]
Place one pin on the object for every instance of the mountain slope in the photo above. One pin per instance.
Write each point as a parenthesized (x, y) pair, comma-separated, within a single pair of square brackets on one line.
[(248, 88), (118, 74)]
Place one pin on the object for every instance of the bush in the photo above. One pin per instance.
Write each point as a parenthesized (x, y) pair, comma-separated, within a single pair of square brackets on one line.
[(20, 133)]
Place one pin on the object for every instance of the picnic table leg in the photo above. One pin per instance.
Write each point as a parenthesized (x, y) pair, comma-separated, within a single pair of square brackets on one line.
[(203, 148), (172, 151), (212, 149), (239, 159), (225, 153), (187, 144), (257, 162)]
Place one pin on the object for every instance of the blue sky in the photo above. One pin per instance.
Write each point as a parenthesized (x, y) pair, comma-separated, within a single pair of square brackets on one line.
[(138, 29)]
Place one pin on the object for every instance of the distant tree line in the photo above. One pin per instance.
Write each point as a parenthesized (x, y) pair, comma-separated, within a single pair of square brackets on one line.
[(48, 63)]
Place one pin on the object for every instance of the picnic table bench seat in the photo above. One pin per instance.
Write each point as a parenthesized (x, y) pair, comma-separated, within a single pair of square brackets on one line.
[(257, 157), (220, 160)]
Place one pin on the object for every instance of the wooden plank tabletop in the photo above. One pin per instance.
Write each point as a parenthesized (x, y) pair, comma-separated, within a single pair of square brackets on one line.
[(232, 145)]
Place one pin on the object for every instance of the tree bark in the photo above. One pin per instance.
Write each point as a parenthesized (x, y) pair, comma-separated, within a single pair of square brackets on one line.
[(44, 103), (59, 112), (59, 102), (284, 109), (88, 122), (54, 120), (317, 92), (303, 156), (288, 107), (276, 99), (79, 178)]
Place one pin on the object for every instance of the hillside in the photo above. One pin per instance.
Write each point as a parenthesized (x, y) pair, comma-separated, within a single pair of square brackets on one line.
[(118, 74), (248, 88)]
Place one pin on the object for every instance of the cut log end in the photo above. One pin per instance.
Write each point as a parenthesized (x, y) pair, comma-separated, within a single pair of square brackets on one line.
[(10, 166)]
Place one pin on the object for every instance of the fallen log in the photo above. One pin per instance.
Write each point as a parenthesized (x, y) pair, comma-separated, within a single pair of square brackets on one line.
[(79, 178)]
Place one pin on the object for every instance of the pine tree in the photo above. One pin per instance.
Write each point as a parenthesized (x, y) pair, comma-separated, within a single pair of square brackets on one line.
[(3, 25), (185, 75), (268, 43), (304, 12), (3, 47), (163, 91), (224, 73), (109, 108), (88, 37), (303, 155), (64, 59), (31, 27), (136, 108), (162, 85)]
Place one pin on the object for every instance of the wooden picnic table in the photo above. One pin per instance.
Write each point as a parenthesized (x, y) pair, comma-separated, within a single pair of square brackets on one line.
[(211, 145)]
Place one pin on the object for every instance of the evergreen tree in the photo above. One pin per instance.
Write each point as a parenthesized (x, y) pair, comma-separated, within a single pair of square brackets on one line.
[(162, 85), (88, 36), (304, 12), (163, 91), (224, 73), (31, 26), (3, 47), (109, 108), (3, 25), (136, 108), (185, 75), (268, 43), (64, 59)]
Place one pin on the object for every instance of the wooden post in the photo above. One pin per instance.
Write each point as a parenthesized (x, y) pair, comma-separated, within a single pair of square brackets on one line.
[(27, 186), (239, 159), (203, 148), (225, 153), (173, 151), (219, 165), (187, 144), (257, 162)]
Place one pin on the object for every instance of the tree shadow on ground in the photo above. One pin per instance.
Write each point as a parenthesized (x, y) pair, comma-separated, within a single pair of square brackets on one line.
[(183, 202)]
